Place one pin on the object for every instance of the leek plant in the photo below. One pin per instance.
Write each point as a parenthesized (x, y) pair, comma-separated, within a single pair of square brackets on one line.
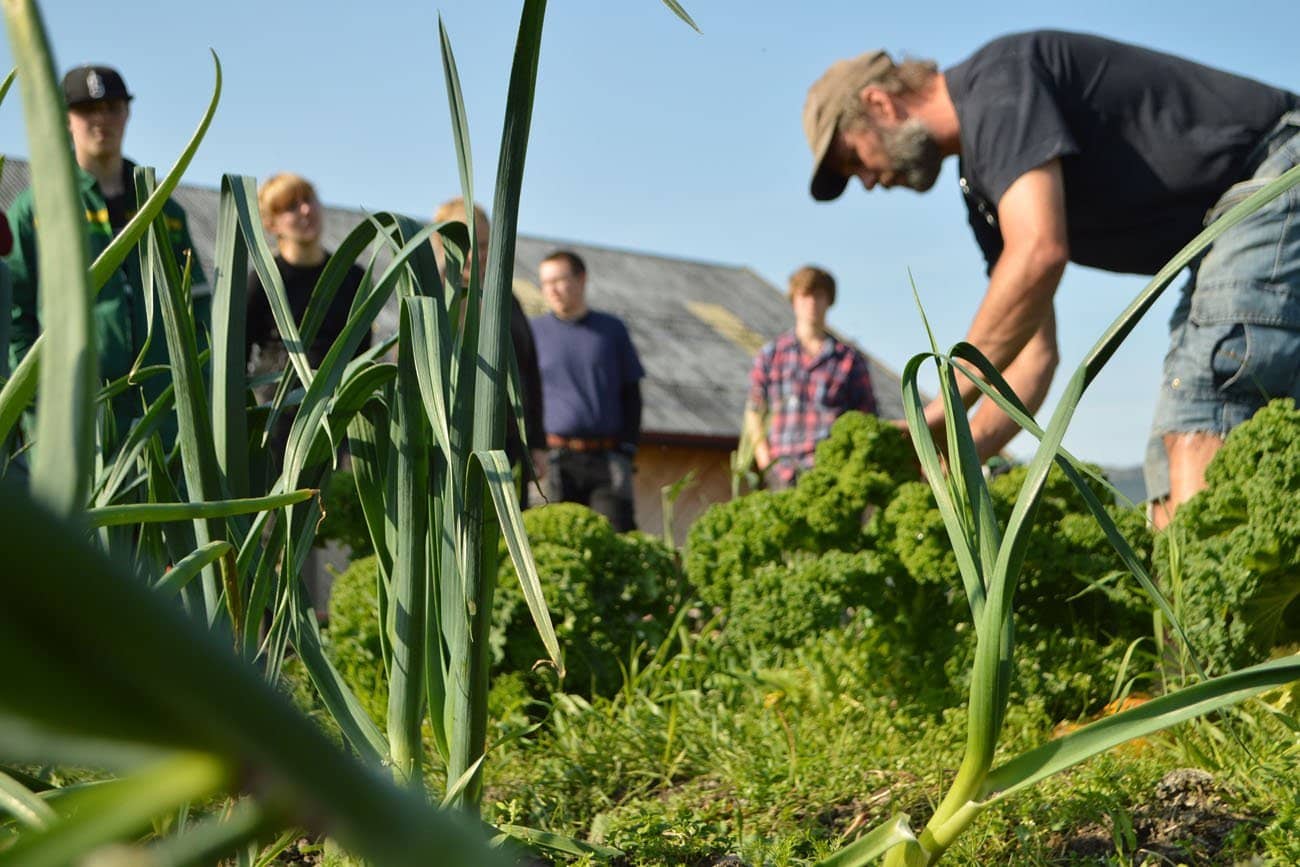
[(990, 557), (157, 590)]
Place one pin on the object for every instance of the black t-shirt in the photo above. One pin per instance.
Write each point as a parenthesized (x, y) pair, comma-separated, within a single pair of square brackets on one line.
[(1147, 141), (299, 282)]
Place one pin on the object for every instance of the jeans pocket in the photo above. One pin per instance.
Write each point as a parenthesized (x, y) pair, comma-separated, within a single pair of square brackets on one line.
[(1230, 358), (1271, 367)]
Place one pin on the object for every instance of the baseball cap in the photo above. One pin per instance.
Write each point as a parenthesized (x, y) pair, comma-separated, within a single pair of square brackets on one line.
[(822, 110), (92, 83)]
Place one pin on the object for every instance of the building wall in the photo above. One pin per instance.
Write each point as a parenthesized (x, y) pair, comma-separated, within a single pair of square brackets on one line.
[(660, 465)]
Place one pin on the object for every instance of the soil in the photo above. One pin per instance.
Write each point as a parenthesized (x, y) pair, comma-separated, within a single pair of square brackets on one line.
[(1186, 822)]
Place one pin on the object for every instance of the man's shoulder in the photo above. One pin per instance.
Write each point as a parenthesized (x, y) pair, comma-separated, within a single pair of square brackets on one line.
[(1011, 59), (543, 321), (781, 343), (171, 207), (843, 346), (608, 325), (22, 204), (857, 357), (1032, 41), (606, 319)]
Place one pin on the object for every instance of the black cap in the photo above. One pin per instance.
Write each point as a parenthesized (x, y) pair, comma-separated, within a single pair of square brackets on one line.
[(84, 84)]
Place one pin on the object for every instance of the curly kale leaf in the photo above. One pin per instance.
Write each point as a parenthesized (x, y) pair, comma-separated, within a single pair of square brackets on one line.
[(858, 468), (1232, 554), (608, 595)]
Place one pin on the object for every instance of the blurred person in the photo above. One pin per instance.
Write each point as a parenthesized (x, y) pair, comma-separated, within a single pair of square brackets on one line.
[(1075, 148), (521, 339), (292, 215), (591, 378), (99, 106), (801, 382)]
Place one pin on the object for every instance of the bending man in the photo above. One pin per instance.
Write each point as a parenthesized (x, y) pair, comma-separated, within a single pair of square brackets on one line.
[(1075, 148)]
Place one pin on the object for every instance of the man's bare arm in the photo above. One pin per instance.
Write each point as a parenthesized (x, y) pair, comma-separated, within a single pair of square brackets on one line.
[(1030, 376), (1018, 301)]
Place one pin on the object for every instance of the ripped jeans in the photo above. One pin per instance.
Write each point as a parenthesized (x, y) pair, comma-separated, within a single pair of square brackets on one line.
[(1234, 339)]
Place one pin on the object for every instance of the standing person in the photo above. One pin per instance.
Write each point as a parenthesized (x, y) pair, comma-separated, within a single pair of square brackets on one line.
[(99, 106), (591, 378), (802, 381), (521, 339), (291, 213), (1074, 148)]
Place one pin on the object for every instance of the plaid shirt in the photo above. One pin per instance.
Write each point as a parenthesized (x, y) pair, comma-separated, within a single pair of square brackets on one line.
[(803, 397)]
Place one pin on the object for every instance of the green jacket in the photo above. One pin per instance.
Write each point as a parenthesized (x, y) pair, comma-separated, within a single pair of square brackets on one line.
[(120, 323)]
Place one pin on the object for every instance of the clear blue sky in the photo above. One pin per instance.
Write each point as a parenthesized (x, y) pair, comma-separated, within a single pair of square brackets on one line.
[(645, 136)]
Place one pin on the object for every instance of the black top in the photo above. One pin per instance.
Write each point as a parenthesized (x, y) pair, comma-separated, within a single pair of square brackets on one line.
[(530, 384), (1147, 141), (299, 282)]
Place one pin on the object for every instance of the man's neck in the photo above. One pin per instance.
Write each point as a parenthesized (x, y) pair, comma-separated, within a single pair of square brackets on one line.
[(107, 172), (302, 255), (935, 108), (573, 315), (811, 338)]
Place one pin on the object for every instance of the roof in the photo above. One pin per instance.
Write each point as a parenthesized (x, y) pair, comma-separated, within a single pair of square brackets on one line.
[(696, 325)]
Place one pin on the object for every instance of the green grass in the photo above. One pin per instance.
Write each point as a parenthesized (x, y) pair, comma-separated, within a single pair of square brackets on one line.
[(706, 757)]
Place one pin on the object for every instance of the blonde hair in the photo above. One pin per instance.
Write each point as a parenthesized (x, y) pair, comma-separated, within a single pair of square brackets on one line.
[(810, 279), (281, 190), (454, 209)]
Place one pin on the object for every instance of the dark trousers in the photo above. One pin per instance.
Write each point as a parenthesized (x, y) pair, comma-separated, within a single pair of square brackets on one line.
[(601, 481)]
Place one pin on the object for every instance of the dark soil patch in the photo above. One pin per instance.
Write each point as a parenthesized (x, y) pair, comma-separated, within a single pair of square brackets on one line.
[(301, 853), (1186, 822)]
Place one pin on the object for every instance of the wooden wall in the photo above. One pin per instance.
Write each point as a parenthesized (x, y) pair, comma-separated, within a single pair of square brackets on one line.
[(660, 465)]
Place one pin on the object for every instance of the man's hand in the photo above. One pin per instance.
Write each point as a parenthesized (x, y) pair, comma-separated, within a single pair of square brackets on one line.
[(754, 426)]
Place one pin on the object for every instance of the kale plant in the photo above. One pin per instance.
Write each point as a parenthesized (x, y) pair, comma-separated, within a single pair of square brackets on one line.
[(1232, 553), (610, 596)]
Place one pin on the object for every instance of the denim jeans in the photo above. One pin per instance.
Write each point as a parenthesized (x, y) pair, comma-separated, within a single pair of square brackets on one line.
[(1234, 339), (599, 480)]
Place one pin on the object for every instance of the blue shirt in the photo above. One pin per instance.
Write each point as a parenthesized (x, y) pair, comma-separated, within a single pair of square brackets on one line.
[(585, 363)]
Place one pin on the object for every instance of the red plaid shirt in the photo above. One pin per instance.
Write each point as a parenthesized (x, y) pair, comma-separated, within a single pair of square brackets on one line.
[(803, 396)]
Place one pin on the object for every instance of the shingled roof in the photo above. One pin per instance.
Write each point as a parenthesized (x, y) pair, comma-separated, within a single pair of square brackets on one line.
[(696, 325)]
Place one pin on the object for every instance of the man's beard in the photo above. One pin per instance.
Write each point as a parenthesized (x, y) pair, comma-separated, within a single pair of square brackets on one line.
[(914, 154)]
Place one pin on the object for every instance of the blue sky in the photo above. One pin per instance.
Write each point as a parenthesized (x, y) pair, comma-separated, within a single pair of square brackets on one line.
[(646, 135)]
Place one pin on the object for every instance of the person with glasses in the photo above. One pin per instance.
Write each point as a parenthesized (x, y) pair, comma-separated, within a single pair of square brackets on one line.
[(1075, 148), (591, 385), (99, 106)]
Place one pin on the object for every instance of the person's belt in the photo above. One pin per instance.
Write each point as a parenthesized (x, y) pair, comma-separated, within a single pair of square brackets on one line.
[(582, 444)]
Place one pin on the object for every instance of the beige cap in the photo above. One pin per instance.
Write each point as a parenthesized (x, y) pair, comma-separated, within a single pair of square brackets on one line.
[(821, 114)]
